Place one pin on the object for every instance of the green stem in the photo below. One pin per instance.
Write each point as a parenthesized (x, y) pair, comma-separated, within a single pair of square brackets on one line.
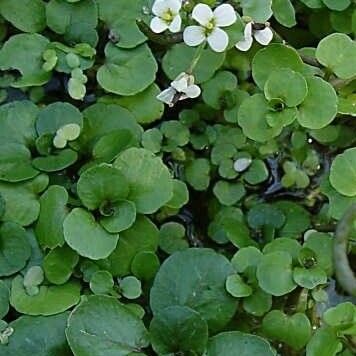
[(196, 58), (343, 271)]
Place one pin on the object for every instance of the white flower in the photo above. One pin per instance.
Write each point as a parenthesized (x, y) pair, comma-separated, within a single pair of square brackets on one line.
[(263, 36), (210, 21), (167, 16), (181, 88)]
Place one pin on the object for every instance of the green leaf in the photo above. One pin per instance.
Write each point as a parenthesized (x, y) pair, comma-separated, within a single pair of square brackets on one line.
[(122, 215), (324, 342), (142, 236), (127, 72), (284, 12), (287, 85), (172, 237), (272, 58), (236, 286), (145, 265), (21, 199), (342, 316), (228, 342), (26, 15), (309, 277), (338, 52), (264, 214), (197, 173), (59, 264), (339, 5), (186, 279), (215, 89), (15, 249), (343, 173), (178, 329), (84, 235), (37, 335), (102, 185), (311, 114), (246, 258), (121, 17), (56, 162), (275, 274), (252, 119), (151, 184), (256, 173), (179, 57), (258, 303), (101, 282), (4, 300), (258, 10), (144, 106), (23, 52), (56, 115), (49, 300), (116, 330), (229, 193), (294, 330), (130, 287)]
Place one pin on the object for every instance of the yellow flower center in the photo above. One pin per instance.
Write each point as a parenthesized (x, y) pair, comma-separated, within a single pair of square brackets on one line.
[(210, 25), (167, 16)]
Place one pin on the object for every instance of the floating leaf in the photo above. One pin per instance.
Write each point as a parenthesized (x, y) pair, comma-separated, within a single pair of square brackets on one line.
[(101, 282), (84, 235), (130, 287), (116, 329)]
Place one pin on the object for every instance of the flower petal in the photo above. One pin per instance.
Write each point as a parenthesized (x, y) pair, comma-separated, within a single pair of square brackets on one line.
[(180, 85), (175, 24), (218, 40), (202, 13), (264, 37), (244, 45), (248, 30), (174, 5), (193, 35), (159, 7), (167, 95), (193, 91), (224, 15), (157, 25)]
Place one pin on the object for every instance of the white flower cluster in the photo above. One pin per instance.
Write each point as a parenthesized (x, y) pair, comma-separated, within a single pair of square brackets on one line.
[(208, 29)]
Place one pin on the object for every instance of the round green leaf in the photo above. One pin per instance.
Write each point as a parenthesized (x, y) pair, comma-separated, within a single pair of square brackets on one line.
[(324, 342), (309, 277), (59, 264), (237, 287), (145, 265), (245, 258), (272, 58), (26, 15), (144, 106), (49, 300), (289, 245), (179, 57), (294, 330), (116, 330), (275, 274), (23, 52), (37, 335), (15, 249), (227, 343), (187, 279), (56, 162), (252, 119), (229, 193), (343, 174), (56, 115), (102, 185), (197, 173), (258, 303), (21, 199), (151, 184), (127, 72), (4, 299), (122, 216), (130, 287), (311, 114), (101, 282), (49, 226), (338, 52), (342, 316), (287, 85), (84, 235), (178, 329), (141, 236), (172, 237)]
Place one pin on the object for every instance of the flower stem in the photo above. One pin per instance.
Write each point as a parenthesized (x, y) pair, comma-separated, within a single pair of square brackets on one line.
[(196, 58), (343, 271)]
